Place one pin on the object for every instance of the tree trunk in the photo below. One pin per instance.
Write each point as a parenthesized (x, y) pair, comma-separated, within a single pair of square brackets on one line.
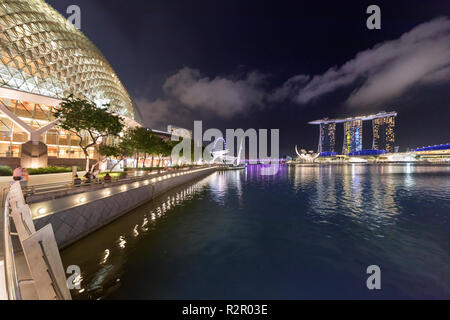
[(145, 159), (137, 160), (92, 168), (153, 163), (115, 165), (87, 160)]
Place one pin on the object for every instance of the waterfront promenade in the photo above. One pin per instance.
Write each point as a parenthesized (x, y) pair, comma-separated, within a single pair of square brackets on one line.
[(75, 215), (41, 179), (75, 211)]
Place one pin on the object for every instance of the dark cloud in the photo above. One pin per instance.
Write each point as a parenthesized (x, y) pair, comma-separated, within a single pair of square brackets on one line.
[(386, 71), (420, 56), (221, 96)]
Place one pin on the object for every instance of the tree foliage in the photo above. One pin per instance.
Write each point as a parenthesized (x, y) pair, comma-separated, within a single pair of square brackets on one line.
[(120, 151), (88, 122), (142, 140)]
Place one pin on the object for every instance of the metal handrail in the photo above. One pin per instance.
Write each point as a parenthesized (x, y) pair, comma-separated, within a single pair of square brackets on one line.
[(69, 185), (12, 281)]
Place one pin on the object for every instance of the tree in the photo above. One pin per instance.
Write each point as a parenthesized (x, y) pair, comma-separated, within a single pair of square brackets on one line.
[(150, 147), (158, 150), (164, 149), (184, 150), (120, 152), (143, 141), (88, 122)]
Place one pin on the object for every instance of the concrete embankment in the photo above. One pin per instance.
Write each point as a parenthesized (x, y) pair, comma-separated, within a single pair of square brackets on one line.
[(75, 216)]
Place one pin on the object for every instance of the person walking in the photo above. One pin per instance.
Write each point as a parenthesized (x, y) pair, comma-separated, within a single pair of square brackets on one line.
[(17, 174)]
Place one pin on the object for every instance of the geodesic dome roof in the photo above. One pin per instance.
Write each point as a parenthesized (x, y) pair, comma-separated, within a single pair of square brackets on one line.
[(42, 53)]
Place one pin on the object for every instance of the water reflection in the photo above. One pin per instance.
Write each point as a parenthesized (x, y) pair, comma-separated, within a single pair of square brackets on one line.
[(105, 257), (96, 280), (365, 191), (307, 222)]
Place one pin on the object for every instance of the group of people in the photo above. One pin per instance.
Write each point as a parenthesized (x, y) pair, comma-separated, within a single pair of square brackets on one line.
[(87, 178), (21, 174), (90, 177)]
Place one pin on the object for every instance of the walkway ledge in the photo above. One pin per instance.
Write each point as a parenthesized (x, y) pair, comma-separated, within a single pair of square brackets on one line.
[(75, 216)]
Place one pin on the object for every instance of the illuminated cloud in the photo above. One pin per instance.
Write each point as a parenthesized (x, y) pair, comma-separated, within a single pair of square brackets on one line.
[(220, 95), (420, 56), (160, 113)]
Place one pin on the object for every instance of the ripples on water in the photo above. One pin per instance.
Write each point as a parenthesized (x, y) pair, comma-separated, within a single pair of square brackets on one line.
[(307, 232)]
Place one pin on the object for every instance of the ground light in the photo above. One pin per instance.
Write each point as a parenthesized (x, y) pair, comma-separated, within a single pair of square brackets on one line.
[(82, 199)]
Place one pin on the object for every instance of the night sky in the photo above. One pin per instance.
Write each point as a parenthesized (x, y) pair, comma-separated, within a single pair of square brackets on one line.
[(279, 64)]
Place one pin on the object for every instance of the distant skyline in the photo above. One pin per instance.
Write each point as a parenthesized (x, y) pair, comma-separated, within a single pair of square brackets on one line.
[(279, 64)]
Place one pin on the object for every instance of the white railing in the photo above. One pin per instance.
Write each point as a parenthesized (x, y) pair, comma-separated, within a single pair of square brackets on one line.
[(16, 210), (62, 189), (46, 272), (11, 280)]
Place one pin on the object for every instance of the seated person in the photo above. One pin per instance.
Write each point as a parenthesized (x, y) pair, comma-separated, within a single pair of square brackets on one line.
[(87, 177), (76, 180), (95, 175), (107, 178)]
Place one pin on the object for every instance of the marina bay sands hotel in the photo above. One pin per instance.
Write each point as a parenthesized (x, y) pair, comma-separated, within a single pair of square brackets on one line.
[(383, 125)]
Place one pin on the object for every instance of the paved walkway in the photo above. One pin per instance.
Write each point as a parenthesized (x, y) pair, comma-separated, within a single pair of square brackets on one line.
[(41, 179), (27, 291)]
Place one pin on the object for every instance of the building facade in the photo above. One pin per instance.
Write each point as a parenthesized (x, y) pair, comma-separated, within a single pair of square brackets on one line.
[(327, 137), (353, 133), (384, 133), (383, 124), (43, 59)]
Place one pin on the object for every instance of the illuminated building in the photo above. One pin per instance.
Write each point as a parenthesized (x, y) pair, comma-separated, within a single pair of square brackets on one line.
[(327, 137), (444, 148), (383, 133), (367, 153), (435, 153), (352, 136), (44, 58)]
